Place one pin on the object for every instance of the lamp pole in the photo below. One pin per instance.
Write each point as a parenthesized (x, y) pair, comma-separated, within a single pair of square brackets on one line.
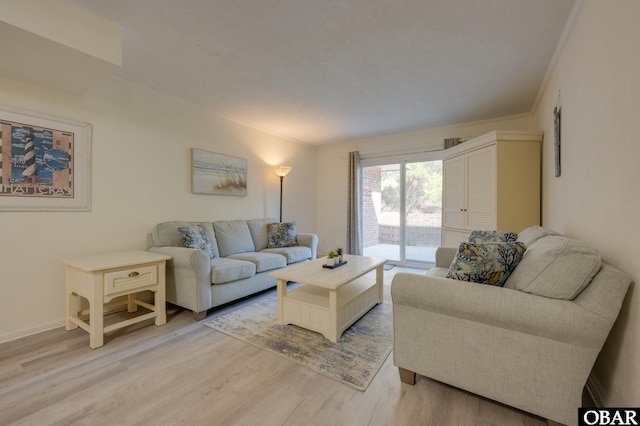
[(281, 180), (282, 172)]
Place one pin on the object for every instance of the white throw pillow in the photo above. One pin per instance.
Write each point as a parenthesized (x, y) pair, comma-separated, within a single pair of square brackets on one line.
[(557, 267), (533, 233)]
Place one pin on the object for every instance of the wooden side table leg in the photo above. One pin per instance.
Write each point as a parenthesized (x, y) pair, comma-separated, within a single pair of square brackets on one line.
[(132, 306), (160, 298), (96, 313), (73, 303)]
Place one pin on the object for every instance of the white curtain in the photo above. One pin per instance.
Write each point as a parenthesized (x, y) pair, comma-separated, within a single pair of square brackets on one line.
[(354, 233)]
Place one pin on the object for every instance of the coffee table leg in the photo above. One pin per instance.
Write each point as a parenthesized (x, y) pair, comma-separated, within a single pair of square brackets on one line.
[(282, 293), (333, 333), (380, 282)]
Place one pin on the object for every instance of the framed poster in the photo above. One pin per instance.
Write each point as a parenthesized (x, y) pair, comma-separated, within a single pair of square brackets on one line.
[(45, 162), (218, 174)]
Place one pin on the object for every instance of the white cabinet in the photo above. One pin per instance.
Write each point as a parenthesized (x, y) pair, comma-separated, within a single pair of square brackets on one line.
[(491, 182)]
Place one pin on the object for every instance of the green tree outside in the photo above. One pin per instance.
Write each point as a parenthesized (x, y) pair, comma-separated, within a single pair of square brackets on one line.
[(423, 186)]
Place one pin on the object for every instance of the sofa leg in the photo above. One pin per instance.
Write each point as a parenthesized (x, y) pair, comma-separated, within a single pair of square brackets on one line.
[(406, 376), (199, 316)]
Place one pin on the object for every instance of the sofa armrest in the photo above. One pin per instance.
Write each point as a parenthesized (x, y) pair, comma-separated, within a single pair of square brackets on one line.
[(554, 319), (308, 240), (444, 256), (188, 277)]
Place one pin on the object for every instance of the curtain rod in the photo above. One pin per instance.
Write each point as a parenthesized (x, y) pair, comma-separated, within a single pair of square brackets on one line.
[(389, 154)]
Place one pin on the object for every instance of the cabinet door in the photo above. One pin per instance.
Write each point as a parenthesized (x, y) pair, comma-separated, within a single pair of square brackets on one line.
[(453, 202), (453, 238), (481, 202)]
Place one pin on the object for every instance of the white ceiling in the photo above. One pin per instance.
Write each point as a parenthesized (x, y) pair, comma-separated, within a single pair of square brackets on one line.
[(322, 71)]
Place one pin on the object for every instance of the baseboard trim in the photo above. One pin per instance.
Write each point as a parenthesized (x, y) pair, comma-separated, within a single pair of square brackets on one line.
[(594, 388), (14, 335), (25, 332)]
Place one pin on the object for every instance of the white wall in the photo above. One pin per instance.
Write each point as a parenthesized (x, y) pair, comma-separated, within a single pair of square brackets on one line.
[(141, 176), (333, 167), (596, 199)]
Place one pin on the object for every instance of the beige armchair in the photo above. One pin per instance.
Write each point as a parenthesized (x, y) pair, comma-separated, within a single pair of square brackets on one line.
[(523, 349)]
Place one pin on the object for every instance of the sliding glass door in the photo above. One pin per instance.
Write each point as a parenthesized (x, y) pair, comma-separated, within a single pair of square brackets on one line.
[(402, 209)]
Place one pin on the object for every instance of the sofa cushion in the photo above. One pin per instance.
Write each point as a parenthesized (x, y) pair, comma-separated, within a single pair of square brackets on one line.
[(486, 263), (233, 237), (556, 266), (263, 261), (533, 233), (491, 236), (167, 234), (224, 270), (293, 254), (282, 234), (258, 230)]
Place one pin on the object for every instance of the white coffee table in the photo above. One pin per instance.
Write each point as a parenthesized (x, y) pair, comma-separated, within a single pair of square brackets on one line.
[(330, 300)]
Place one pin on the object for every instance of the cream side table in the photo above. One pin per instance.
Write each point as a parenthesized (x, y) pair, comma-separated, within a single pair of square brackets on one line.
[(100, 278)]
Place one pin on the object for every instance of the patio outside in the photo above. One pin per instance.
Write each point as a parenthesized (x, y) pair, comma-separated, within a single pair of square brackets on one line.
[(423, 238)]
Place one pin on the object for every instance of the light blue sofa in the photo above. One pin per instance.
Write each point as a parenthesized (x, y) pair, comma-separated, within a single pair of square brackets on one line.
[(240, 265), (531, 344)]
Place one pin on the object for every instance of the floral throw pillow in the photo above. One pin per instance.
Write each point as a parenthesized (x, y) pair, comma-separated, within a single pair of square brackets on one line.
[(492, 236), (486, 263), (196, 237), (281, 234)]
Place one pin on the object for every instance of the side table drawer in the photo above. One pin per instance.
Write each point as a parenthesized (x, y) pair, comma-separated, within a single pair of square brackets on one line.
[(130, 279)]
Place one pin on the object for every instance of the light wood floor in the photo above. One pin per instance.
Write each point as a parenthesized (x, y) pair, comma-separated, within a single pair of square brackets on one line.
[(186, 373)]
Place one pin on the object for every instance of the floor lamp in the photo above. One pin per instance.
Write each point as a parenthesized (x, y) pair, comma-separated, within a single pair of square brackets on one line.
[(282, 172)]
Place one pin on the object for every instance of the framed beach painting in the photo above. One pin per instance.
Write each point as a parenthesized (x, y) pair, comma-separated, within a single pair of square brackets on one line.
[(218, 174), (45, 162)]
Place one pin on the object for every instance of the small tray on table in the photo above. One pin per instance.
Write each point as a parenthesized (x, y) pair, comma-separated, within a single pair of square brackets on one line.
[(336, 265)]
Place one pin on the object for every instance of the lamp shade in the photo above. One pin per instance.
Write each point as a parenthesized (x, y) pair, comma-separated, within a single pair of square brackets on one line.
[(282, 171)]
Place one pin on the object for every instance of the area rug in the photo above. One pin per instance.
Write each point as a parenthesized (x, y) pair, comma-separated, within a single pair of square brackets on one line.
[(354, 360)]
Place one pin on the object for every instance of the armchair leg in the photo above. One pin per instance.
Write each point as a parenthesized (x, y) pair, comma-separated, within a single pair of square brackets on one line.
[(406, 376), (199, 316)]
